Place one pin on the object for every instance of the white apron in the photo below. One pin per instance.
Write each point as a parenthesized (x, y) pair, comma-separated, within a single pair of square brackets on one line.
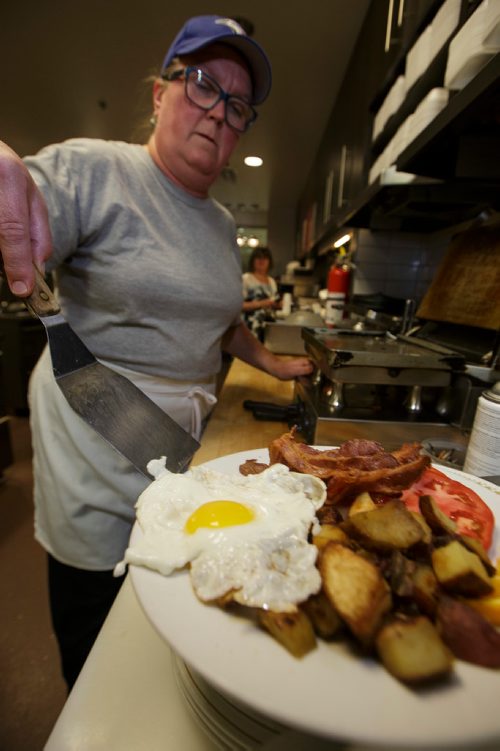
[(84, 490)]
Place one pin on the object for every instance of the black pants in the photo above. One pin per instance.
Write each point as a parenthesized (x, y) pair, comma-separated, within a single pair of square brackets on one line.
[(79, 602)]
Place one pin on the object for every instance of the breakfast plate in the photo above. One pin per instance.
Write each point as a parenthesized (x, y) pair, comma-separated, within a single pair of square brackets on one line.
[(331, 692)]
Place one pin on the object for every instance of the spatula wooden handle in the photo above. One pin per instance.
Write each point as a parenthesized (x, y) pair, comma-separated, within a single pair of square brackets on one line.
[(42, 302)]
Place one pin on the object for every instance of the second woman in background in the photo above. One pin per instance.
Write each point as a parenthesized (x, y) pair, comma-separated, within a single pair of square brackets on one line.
[(260, 292)]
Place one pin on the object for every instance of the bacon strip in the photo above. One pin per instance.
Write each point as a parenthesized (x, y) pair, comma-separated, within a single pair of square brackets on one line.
[(252, 467), (357, 466)]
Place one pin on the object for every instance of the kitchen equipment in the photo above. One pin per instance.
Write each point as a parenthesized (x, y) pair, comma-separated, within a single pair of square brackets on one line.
[(300, 282), (303, 318), (284, 336), (289, 413), (446, 453), (381, 359), (111, 404), (465, 288), (391, 388)]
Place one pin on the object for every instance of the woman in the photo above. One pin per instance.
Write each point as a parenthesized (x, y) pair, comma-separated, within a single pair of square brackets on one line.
[(121, 225), (260, 291)]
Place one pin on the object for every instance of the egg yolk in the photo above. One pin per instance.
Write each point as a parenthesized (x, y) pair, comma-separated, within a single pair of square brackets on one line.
[(216, 514)]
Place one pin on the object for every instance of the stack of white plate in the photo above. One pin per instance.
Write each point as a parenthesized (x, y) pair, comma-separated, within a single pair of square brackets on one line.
[(427, 110), (384, 166), (418, 57), (389, 106), (228, 724), (232, 726), (474, 45), (444, 24)]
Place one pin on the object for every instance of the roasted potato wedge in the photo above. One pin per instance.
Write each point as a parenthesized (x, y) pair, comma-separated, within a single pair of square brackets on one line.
[(388, 527), (468, 634), (356, 588), (323, 616), (476, 547), (294, 631), (435, 518), (412, 650), (426, 589), (400, 574), (427, 531), (362, 502), (329, 514), (327, 533), (460, 571)]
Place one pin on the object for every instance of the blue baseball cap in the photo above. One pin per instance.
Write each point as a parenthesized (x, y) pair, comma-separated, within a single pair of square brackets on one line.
[(201, 31)]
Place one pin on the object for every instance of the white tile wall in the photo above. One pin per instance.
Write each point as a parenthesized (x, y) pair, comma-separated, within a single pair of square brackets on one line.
[(397, 264)]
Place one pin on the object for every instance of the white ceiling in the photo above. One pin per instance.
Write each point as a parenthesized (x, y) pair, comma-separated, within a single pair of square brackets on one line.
[(78, 69)]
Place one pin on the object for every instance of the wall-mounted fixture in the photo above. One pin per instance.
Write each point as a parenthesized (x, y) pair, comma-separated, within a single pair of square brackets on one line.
[(342, 241)]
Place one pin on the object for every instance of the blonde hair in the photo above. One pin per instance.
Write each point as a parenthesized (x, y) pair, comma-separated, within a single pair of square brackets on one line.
[(142, 129)]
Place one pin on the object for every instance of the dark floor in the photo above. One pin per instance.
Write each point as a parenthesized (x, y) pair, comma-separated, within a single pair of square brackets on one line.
[(32, 691)]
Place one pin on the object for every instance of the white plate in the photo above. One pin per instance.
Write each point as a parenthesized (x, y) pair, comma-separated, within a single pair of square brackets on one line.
[(329, 692)]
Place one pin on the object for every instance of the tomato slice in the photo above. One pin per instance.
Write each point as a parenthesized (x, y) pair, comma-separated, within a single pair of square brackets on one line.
[(471, 514)]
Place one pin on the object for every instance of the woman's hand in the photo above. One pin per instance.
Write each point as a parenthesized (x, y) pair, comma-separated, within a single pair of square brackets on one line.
[(269, 303), (250, 305), (24, 224), (285, 369), (240, 342)]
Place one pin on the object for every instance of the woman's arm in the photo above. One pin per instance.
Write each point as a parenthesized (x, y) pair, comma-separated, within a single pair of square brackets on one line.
[(240, 342), (249, 305)]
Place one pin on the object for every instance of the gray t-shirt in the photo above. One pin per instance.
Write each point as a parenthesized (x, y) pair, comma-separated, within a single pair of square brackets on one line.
[(148, 275)]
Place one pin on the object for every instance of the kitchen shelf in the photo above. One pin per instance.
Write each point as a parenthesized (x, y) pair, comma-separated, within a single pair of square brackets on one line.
[(457, 160), (463, 140), (420, 206), (447, 176)]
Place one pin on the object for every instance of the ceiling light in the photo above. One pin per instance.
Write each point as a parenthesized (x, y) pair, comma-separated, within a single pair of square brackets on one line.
[(341, 241), (253, 242), (253, 161)]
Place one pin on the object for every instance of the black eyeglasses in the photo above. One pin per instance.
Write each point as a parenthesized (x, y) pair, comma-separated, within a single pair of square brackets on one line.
[(204, 91)]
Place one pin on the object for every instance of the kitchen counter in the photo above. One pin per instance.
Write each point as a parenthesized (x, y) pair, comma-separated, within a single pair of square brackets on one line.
[(127, 696)]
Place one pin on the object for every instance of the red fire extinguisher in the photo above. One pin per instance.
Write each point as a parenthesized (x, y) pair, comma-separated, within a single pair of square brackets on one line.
[(338, 290), (338, 279)]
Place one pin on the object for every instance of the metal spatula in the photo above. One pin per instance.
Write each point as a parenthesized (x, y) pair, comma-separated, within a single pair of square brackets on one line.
[(107, 401)]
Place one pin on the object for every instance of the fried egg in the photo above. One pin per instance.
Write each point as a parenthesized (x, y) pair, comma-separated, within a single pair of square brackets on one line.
[(246, 536)]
